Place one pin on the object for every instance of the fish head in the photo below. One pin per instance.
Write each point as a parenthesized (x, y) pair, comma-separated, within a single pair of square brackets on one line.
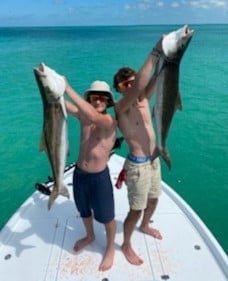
[(175, 43), (52, 83)]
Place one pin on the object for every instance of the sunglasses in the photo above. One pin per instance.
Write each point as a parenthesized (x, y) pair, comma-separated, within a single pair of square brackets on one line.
[(95, 98), (126, 84)]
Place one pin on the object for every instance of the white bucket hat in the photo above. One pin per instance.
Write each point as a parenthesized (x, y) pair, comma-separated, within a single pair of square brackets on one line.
[(100, 88)]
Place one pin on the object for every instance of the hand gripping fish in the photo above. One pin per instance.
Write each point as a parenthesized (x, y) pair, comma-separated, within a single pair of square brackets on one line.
[(54, 139), (169, 50)]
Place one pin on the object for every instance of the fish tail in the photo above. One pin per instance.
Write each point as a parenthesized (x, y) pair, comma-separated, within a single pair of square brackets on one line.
[(55, 193), (64, 191), (163, 152), (166, 157), (155, 154)]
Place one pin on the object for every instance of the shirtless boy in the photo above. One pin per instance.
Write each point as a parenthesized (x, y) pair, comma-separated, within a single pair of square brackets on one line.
[(143, 177), (91, 175)]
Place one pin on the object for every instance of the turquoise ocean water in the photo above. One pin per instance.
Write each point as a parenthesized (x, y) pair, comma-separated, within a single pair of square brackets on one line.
[(198, 139)]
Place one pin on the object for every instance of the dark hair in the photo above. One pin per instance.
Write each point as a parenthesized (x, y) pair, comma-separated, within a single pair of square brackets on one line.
[(122, 74)]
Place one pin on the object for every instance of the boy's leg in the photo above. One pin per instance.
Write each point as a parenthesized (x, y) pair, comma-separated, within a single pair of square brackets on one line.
[(109, 252), (80, 244)]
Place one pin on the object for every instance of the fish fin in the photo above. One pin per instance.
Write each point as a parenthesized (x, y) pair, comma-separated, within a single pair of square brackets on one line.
[(163, 152), (42, 146), (68, 149), (152, 113), (178, 102), (64, 191), (62, 103), (166, 157), (155, 154), (55, 193)]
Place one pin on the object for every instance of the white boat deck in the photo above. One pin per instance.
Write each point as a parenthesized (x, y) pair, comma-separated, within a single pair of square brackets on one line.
[(37, 244)]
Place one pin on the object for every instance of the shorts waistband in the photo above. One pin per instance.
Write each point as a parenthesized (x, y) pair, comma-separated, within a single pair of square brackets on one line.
[(138, 159), (80, 171)]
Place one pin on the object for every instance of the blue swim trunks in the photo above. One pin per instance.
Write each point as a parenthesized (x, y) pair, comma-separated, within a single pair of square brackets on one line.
[(94, 191)]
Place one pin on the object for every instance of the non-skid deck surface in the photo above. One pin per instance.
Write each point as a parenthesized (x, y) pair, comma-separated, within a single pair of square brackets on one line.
[(37, 244), (45, 247)]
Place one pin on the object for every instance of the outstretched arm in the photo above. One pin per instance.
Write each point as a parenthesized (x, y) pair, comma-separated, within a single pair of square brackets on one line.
[(72, 109), (149, 91), (142, 80), (157, 51)]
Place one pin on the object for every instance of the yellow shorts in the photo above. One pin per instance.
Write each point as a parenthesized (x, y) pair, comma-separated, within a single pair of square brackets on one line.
[(143, 182)]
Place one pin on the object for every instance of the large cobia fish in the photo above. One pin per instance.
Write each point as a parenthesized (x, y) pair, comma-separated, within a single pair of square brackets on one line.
[(54, 140), (167, 99)]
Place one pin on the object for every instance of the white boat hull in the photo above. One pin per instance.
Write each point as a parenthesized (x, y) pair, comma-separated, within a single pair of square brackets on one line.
[(36, 244)]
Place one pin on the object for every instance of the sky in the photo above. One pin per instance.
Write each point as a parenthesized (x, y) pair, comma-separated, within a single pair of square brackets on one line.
[(111, 12)]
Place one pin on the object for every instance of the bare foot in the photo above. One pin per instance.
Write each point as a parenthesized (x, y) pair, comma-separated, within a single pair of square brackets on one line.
[(130, 255), (107, 261), (152, 232), (82, 243)]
